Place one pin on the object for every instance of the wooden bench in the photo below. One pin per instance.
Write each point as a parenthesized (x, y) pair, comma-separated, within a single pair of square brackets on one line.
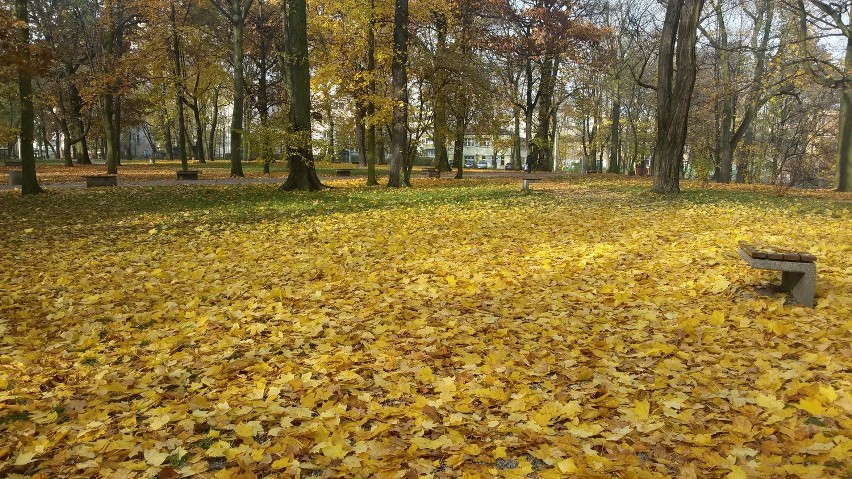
[(343, 172), (525, 183), (12, 163), (798, 269), (188, 174), (430, 172), (94, 181)]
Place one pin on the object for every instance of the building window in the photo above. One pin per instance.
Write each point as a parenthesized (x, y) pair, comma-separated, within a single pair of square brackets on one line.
[(470, 142)]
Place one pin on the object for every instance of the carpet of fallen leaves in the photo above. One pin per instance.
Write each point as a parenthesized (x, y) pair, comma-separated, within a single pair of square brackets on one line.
[(587, 329)]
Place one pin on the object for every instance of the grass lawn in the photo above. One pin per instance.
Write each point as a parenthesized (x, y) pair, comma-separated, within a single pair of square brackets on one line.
[(456, 329)]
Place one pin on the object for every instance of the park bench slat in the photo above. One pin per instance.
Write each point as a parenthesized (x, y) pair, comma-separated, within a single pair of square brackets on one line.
[(777, 254)]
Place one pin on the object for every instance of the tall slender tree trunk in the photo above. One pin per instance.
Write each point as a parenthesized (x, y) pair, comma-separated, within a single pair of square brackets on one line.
[(238, 22), (29, 184), (371, 89), (179, 89), (214, 120), (399, 119), (674, 91), (79, 128), (458, 147), (615, 137), (441, 128), (303, 174), (108, 123), (199, 131)]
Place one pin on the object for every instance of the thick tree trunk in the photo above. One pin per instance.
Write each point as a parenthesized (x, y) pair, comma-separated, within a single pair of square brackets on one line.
[(29, 183), (844, 161), (303, 175), (674, 91), (399, 117), (542, 144)]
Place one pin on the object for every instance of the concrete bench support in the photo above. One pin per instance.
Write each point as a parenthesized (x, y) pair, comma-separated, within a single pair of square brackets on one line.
[(16, 178), (525, 183), (799, 278), (94, 181), (429, 172), (343, 172)]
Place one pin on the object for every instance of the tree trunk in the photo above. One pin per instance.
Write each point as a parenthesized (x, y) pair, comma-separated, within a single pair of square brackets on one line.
[(844, 159), (211, 142), (360, 132), (542, 144), (371, 89), (399, 118), (29, 184), (237, 23), (79, 128), (674, 91), (516, 140), (615, 138), (199, 131), (458, 147), (303, 175), (439, 94)]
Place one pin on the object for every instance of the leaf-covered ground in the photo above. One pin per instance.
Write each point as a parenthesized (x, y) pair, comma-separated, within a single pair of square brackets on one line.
[(588, 329)]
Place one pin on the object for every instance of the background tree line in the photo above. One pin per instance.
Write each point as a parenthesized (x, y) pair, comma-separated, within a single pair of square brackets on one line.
[(723, 90)]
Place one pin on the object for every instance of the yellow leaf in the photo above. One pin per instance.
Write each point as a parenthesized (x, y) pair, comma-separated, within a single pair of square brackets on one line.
[(499, 452), (157, 422), (244, 430), (737, 473), (567, 466), (828, 393), (642, 409), (218, 449), (425, 375), (585, 430), (451, 280), (281, 463), (717, 318), (769, 402), (154, 457), (813, 406), (334, 451), (24, 458)]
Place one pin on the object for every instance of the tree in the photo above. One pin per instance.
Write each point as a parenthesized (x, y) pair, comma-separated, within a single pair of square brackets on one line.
[(674, 90), (235, 11), (303, 174), (29, 184), (830, 16), (399, 123)]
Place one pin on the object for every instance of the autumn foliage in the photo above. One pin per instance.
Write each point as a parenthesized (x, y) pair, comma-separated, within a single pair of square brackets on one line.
[(584, 330)]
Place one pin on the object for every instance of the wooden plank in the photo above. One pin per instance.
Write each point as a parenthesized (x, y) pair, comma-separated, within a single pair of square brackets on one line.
[(775, 256), (806, 257), (791, 256)]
